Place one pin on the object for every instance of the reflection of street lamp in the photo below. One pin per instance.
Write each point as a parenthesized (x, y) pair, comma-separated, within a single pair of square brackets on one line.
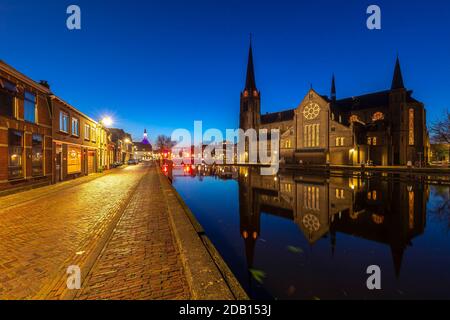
[(107, 121)]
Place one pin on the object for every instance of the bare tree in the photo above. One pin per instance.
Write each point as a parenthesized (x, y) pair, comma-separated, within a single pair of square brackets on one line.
[(440, 130), (164, 142)]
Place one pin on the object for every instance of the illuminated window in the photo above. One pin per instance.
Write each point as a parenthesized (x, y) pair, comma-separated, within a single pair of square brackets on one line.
[(340, 194), (74, 160), (369, 141), (354, 118), (245, 93), (374, 141), (377, 116), (340, 142), (255, 93), (372, 195), (15, 159), (411, 127), (37, 155), (377, 219), (411, 209), (311, 198), (311, 137)]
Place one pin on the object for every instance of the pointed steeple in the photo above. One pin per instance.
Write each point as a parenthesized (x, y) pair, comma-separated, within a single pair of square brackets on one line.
[(333, 88), (397, 81), (250, 83)]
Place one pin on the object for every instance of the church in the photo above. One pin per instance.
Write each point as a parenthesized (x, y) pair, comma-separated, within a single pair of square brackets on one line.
[(385, 128)]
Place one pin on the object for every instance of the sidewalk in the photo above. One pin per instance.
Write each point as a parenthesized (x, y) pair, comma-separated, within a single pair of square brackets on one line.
[(142, 259)]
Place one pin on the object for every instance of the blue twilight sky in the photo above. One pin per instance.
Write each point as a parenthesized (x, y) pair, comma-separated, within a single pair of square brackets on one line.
[(161, 64)]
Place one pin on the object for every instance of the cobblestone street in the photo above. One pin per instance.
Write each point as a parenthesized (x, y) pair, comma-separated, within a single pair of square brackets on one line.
[(44, 231)]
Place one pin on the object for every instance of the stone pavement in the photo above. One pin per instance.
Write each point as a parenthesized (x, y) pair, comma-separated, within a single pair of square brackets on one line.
[(128, 231), (141, 259), (40, 237)]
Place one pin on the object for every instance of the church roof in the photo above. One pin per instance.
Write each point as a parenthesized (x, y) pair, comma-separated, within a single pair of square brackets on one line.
[(250, 82), (287, 115), (397, 81)]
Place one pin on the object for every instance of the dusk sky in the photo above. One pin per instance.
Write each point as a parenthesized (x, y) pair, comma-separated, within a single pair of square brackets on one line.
[(162, 64)]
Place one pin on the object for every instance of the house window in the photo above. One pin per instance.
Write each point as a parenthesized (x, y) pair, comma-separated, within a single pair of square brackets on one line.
[(73, 160), (75, 127), (87, 132), (37, 155), (312, 136), (30, 107), (15, 159), (411, 127), (63, 122), (374, 141), (7, 100), (93, 134)]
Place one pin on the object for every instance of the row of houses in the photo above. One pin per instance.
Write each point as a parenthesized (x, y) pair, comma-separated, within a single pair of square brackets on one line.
[(44, 139)]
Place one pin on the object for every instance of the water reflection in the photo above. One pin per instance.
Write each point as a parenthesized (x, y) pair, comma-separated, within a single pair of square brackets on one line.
[(313, 235), (387, 212)]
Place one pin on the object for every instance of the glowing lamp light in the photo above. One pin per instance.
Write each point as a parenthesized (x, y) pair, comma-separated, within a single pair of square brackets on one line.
[(107, 121)]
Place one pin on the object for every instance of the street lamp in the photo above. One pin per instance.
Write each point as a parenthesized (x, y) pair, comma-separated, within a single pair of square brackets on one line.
[(107, 121)]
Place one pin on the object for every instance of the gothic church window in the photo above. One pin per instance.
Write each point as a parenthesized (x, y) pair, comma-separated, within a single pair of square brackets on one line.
[(411, 127), (311, 136)]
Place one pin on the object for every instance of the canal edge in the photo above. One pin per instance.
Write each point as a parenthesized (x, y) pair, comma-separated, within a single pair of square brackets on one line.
[(211, 279)]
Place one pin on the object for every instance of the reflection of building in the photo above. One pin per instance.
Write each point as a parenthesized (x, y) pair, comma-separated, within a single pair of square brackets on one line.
[(386, 128), (386, 212), (143, 150)]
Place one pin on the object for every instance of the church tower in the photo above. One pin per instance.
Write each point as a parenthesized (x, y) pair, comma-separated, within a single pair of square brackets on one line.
[(250, 114), (398, 117)]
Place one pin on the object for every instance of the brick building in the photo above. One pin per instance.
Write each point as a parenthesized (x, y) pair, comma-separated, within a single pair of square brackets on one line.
[(45, 140), (75, 141), (383, 128), (25, 130), (123, 144)]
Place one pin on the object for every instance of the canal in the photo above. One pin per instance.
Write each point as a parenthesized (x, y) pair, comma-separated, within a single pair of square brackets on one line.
[(300, 236)]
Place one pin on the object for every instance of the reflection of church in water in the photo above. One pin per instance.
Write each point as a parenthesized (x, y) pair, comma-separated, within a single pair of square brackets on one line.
[(383, 211)]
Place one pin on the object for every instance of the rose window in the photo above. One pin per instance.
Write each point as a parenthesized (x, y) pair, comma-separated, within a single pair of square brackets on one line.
[(311, 223), (311, 111)]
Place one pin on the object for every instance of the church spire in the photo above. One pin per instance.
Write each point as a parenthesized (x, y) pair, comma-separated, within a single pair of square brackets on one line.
[(397, 81), (333, 88), (250, 83)]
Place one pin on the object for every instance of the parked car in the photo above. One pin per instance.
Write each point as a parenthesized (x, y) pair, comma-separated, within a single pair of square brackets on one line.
[(133, 162)]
